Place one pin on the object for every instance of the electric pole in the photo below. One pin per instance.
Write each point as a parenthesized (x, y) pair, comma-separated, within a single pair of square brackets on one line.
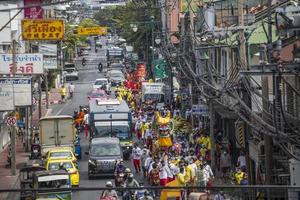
[(245, 95), (13, 129), (268, 141)]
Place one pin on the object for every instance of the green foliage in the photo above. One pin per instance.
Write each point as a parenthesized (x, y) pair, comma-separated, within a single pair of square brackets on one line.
[(87, 22), (121, 17)]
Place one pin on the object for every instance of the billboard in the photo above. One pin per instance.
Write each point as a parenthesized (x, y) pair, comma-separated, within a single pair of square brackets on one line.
[(26, 64), (21, 90), (33, 12), (6, 97), (43, 29), (97, 30), (49, 52)]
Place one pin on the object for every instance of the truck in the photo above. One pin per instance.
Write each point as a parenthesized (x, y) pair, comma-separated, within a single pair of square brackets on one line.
[(112, 118), (56, 131), (153, 92), (114, 55)]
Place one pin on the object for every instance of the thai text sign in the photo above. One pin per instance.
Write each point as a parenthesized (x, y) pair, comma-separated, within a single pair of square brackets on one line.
[(21, 90), (26, 64), (6, 97), (35, 12), (43, 29), (98, 30)]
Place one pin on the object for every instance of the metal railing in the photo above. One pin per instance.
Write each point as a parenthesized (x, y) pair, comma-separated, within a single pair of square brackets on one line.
[(235, 192)]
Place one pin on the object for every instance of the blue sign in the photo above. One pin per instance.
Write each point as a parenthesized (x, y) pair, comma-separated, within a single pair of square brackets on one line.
[(200, 110)]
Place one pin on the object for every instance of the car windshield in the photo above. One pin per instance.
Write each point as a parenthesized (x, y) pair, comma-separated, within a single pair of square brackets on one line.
[(154, 97), (55, 165), (60, 154), (121, 132), (116, 66), (116, 74), (105, 150), (100, 82), (70, 70)]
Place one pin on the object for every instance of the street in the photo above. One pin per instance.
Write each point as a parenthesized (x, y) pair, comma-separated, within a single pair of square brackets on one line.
[(82, 87)]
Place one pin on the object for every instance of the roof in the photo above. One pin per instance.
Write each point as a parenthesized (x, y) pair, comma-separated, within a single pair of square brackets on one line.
[(121, 107), (57, 117), (101, 79), (114, 123), (102, 140), (59, 160)]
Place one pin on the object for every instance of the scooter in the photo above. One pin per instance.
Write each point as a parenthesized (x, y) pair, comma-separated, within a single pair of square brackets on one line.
[(83, 61), (100, 67)]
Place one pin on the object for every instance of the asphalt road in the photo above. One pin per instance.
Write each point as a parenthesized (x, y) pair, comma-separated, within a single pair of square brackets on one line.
[(82, 87)]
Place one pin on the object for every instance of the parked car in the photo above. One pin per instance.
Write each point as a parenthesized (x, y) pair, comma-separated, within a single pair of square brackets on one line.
[(70, 74), (104, 153), (85, 53)]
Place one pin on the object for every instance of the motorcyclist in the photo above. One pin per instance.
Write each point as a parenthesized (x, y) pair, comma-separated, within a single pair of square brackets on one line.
[(112, 194), (83, 61), (100, 67), (120, 168), (131, 182), (127, 172)]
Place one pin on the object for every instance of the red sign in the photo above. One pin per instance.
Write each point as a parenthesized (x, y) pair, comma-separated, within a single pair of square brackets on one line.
[(11, 121), (33, 12)]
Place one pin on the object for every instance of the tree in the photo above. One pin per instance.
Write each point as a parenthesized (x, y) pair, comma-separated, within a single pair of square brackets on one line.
[(120, 19)]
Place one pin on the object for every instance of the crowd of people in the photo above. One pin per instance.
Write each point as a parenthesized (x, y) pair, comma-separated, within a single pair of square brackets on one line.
[(187, 159)]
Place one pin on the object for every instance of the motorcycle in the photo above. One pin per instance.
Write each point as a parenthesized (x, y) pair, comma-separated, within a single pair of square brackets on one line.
[(83, 61), (100, 67)]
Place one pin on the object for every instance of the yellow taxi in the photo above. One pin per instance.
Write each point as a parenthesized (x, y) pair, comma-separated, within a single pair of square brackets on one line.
[(66, 164), (60, 153)]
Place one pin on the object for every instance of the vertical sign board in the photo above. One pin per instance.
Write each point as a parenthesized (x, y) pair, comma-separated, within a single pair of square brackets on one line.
[(49, 52), (35, 12), (21, 90), (26, 64), (6, 97)]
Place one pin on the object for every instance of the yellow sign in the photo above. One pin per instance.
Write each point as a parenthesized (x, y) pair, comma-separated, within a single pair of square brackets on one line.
[(43, 29), (97, 30)]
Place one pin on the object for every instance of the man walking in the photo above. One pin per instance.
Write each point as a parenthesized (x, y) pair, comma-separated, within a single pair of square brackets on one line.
[(136, 156), (63, 93), (71, 90)]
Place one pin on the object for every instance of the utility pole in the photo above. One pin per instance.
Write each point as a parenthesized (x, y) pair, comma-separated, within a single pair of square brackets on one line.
[(268, 141), (13, 129), (211, 133), (245, 95), (40, 96), (46, 86)]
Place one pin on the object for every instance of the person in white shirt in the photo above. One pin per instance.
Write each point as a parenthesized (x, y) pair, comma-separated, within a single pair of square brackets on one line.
[(207, 172), (136, 156), (71, 90), (241, 162), (86, 123), (163, 173)]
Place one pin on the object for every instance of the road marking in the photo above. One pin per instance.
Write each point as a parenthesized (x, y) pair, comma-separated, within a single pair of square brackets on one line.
[(59, 111), (48, 112)]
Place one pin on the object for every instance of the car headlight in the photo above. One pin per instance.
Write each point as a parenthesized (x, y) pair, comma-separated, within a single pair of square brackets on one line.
[(92, 162)]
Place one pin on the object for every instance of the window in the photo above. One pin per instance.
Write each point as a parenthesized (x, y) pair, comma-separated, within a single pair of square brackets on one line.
[(105, 150), (60, 154), (224, 63), (55, 166), (121, 132)]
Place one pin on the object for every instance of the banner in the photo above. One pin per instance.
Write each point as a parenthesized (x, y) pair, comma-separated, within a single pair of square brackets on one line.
[(33, 12), (160, 69), (43, 29), (26, 64), (6, 97), (21, 90), (97, 30), (49, 52)]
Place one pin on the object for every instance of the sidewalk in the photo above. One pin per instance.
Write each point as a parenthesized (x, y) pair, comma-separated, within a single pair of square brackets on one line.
[(6, 180)]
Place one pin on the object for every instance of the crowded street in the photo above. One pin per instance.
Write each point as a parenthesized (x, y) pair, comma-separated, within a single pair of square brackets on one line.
[(149, 100)]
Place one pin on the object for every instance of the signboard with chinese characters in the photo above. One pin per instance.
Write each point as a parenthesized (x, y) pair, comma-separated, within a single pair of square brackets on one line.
[(26, 64), (6, 97), (35, 12), (49, 52), (98, 30), (199, 109), (43, 29), (21, 90)]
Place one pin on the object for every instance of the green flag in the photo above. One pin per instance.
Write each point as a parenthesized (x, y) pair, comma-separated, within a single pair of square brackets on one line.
[(160, 69)]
